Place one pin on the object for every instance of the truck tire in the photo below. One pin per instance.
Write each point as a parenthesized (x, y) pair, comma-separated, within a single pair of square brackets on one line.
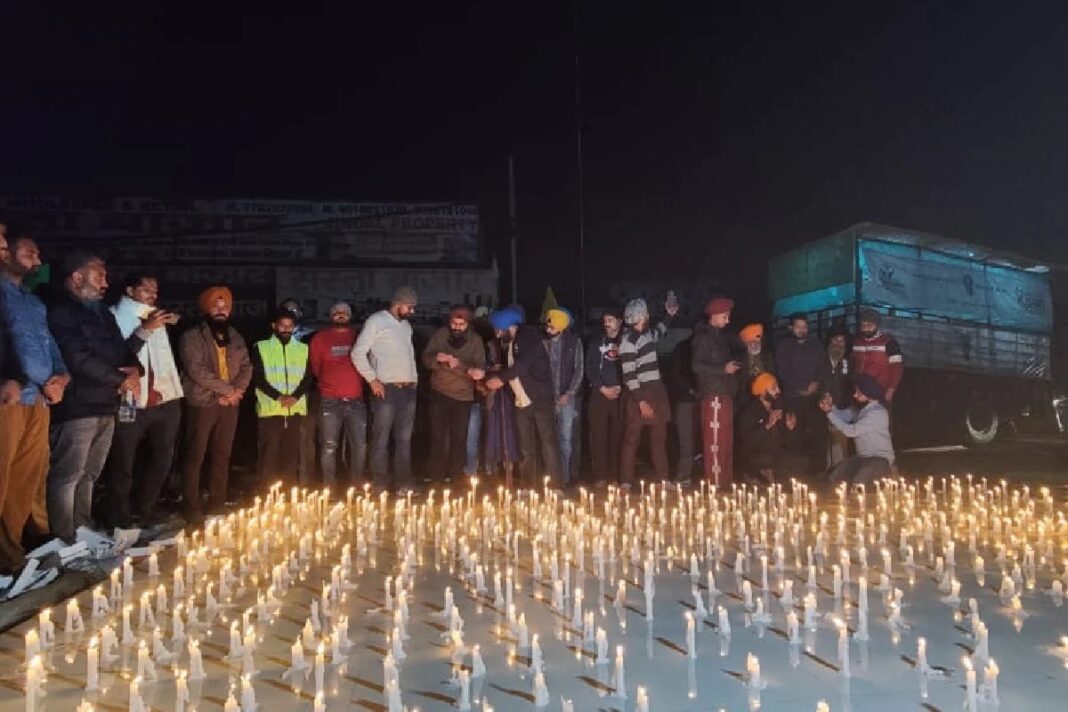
[(981, 424)]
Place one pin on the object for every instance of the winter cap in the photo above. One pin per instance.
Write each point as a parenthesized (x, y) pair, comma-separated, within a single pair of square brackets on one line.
[(340, 307), (762, 383), (751, 332), (503, 319), (405, 295), (866, 384), (211, 295), (558, 319), (869, 314), (635, 311), (718, 305)]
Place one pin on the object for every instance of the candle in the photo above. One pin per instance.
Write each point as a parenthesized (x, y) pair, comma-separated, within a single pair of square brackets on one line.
[(153, 565), (843, 648), (752, 669), (465, 690), (620, 676), (296, 656), (541, 691), (92, 669), (724, 622), (478, 666), (47, 628), (641, 701), (971, 700), (34, 678), (319, 705), (136, 703), (990, 682), (128, 638), (181, 693), (100, 603), (74, 622), (248, 695), (810, 611), (32, 644), (196, 661), (691, 643), (320, 668), (792, 627)]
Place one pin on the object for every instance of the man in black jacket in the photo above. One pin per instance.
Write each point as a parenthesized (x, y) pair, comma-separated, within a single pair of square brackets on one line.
[(530, 377), (716, 370), (102, 366), (800, 359), (606, 387)]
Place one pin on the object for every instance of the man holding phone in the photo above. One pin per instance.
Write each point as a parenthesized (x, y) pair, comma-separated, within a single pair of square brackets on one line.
[(158, 408), (717, 383)]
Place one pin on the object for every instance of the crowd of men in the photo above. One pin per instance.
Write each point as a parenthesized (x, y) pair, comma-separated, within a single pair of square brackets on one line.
[(90, 390)]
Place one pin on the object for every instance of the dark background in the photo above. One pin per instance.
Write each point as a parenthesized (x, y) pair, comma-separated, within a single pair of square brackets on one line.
[(716, 134)]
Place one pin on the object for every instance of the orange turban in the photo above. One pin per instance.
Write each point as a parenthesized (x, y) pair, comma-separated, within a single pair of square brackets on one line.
[(213, 294), (752, 332), (762, 383)]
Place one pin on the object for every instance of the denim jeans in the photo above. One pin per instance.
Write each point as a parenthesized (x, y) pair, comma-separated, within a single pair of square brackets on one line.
[(474, 438), (348, 416), (565, 430), (79, 449), (393, 414)]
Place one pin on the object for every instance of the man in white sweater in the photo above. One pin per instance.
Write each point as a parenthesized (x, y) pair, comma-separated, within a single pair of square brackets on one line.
[(158, 409), (385, 356)]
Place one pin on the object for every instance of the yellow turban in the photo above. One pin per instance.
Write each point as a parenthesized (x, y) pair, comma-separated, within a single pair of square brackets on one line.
[(762, 383), (751, 332), (558, 319)]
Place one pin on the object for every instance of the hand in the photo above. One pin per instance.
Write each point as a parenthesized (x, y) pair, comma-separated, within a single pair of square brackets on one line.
[(494, 383), (131, 384), (810, 389), (791, 421), (889, 395), (442, 357), (774, 417), (453, 362), (826, 403), (287, 401), (52, 393), (732, 367), (159, 318), (476, 374), (378, 389), (646, 410), (10, 393), (563, 400), (610, 392)]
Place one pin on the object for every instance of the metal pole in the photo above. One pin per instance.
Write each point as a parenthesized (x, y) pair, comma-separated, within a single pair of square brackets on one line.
[(512, 228), (581, 186)]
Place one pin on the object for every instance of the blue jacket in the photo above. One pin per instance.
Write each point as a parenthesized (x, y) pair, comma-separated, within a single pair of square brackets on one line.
[(94, 350), (31, 343)]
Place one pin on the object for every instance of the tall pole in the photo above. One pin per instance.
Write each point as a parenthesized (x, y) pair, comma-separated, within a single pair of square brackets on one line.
[(581, 186), (512, 228)]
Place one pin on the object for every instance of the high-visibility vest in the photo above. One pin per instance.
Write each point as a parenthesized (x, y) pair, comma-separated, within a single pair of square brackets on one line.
[(283, 366)]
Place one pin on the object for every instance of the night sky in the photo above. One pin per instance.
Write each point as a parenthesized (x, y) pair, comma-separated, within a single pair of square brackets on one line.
[(715, 135)]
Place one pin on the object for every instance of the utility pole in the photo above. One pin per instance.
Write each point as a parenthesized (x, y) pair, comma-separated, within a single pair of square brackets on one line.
[(512, 228)]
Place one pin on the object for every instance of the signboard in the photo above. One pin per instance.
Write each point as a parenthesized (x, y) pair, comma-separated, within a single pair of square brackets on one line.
[(932, 283), (256, 231)]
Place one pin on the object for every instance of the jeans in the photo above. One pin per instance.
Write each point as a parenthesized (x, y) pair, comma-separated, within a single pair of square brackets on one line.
[(159, 427), (209, 432), (606, 436), (536, 426), (79, 449), (395, 413), (474, 438), (449, 419), (309, 426), (278, 441), (565, 431), (338, 416)]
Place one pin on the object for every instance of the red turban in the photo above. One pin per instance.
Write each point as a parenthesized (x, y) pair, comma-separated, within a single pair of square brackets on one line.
[(718, 305)]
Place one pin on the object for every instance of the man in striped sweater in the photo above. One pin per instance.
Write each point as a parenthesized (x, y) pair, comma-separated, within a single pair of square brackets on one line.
[(646, 403)]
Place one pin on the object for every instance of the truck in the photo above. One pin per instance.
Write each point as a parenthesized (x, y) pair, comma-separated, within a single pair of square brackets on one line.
[(975, 327)]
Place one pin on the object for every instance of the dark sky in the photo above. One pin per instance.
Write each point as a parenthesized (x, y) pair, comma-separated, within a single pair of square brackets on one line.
[(716, 134)]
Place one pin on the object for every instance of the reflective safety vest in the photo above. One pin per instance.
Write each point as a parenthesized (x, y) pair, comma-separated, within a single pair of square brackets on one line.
[(284, 367)]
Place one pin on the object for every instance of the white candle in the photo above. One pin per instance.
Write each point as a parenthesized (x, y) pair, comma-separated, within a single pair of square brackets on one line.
[(752, 669), (792, 627), (971, 700), (620, 677), (843, 649), (724, 622), (320, 668), (128, 637), (691, 642), (990, 682), (92, 669), (32, 644), (641, 701), (34, 677), (47, 628), (181, 693), (196, 661), (248, 695)]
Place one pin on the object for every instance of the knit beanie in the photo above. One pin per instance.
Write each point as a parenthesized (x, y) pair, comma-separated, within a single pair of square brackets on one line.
[(635, 311), (405, 295)]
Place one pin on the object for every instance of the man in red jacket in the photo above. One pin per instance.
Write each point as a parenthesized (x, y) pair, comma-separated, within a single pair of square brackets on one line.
[(877, 354), (341, 389)]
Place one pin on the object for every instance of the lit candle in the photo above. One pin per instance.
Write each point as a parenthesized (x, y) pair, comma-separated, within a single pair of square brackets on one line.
[(641, 701), (320, 668), (620, 676), (181, 694), (691, 642), (971, 700), (752, 669), (32, 644), (990, 682), (92, 669), (34, 678)]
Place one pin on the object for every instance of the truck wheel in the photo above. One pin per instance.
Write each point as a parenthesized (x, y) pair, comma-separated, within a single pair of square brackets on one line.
[(981, 424)]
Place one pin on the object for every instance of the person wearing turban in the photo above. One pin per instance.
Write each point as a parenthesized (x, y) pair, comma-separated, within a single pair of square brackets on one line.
[(767, 434), (218, 371), (867, 424), (757, 360), (716, 370), (567, 366)]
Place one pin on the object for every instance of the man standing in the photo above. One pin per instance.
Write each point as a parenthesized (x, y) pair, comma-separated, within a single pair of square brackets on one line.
[(878, 355), (34, 377), (646, 403), (682, 392), (385, 356), (766, 433), (605, 410), (309, 425), (456, 359), (341, 389), (102, 366), (868, 425), (565, 361), (757, 359), (158, 408), (218, 371), (717, 384), (838, 381), (281, 377), (531, 380), (800, 360)]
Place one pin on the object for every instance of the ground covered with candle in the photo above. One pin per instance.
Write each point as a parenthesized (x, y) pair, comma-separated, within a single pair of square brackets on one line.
[(931, 594)]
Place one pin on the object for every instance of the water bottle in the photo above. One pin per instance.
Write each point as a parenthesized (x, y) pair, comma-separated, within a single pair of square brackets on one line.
[(128, 407)]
